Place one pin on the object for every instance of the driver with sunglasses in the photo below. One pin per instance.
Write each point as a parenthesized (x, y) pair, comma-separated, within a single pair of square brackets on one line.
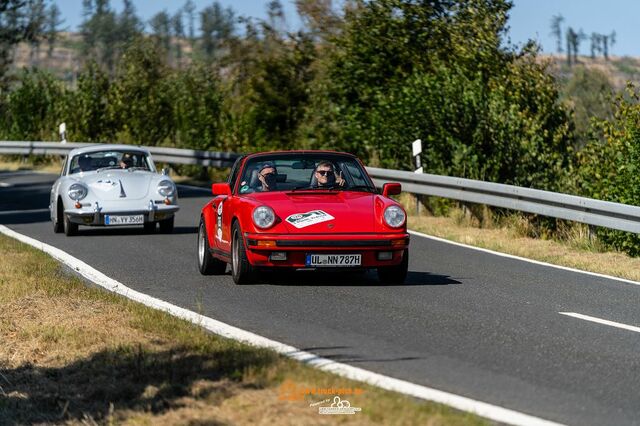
[(326, 176), (267, 175)]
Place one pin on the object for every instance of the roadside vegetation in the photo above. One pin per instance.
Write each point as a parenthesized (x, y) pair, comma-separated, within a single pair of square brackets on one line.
[(72, 354)]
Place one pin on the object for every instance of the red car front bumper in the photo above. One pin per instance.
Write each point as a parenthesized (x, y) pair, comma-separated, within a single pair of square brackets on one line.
[(261, 248)]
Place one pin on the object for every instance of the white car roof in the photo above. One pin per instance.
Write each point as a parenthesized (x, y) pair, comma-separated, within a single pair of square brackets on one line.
[(107, 147)]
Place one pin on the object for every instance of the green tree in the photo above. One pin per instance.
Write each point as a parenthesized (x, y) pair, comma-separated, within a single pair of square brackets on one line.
[(438, 71), (320, 18), (608, 168), (161, 29), (37, 17), (88, 113), (189, 10), (139, 99), (100, 33), (556, 31), (34, 108), (588, 94), (15, 27), (129, 24), (105, 34), (271, 74), (52, 27), (178, 31), (217, 25), (608, 40), (197, 100)]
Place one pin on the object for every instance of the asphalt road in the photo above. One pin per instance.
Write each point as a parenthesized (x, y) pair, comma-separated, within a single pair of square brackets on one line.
[(467, 322)]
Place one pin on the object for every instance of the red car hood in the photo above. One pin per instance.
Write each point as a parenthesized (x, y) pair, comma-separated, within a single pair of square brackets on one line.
[(351, 212)]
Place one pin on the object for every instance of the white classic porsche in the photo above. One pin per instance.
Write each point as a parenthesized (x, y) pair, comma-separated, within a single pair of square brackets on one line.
[(111, 185)]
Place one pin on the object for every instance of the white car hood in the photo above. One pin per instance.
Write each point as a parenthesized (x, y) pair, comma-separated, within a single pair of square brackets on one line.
[(112, 185)]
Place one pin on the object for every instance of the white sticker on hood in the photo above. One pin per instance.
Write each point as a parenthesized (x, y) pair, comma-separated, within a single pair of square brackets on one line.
[(104, 185), (300, 220)]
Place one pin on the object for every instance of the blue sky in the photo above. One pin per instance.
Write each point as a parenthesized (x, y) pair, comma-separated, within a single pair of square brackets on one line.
[(145, 9), (529, 19)]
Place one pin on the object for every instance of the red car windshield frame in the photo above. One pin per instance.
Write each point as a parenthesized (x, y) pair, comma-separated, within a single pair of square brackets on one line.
[(304, 157)]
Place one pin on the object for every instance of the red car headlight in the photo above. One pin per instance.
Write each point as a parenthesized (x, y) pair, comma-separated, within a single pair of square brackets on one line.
[(394, 216), (263, 217)]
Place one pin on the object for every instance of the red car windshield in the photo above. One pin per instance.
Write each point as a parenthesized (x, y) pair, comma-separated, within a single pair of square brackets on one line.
[(292, 172)]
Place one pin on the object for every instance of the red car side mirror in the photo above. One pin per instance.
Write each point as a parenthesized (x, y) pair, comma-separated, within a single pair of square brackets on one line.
[(221, 189), (391, 188)]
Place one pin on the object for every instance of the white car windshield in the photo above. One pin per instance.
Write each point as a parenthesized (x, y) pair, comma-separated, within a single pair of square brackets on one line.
[(99, 160)]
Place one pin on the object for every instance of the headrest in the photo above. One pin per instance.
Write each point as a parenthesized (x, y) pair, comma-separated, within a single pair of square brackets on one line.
[(254, 182)]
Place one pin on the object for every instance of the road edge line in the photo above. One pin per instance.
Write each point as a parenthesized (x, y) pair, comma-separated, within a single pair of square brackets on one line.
[(524, 259)]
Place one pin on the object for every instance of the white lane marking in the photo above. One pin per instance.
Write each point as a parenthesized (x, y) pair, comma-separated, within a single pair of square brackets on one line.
[(24, 211), (523, 259), (482, 409), (601, 321)]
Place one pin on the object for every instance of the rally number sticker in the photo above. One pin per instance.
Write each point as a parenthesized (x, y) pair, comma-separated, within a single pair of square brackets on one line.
[(219, 222), (301, 220)]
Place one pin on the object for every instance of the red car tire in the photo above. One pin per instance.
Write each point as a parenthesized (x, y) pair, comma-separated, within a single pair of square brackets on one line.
[(241, 270), (207, 264)]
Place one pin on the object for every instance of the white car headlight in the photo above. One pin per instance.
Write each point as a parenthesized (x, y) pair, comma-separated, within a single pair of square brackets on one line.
[(166, 188), (394, 216), (264, 217), (77, 191)]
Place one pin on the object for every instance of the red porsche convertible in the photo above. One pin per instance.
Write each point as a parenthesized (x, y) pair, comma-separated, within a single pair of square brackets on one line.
[(302, 210)]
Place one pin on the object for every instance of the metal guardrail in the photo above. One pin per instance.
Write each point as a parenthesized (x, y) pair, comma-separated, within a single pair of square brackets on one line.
[(618, 216), (161, 154), (562, 206)]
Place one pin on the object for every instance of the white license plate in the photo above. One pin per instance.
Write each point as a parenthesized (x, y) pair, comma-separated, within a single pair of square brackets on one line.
[(334, 260), (137, 219)]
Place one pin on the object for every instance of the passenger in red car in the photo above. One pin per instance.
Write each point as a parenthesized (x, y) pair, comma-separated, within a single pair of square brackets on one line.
[(267, 177), (326, 175)]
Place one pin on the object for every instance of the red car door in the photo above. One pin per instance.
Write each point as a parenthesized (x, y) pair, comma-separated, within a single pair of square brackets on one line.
[(223, 208)]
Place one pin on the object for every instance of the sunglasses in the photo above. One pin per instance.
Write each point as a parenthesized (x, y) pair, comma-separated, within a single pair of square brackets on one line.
[(268, 174), (324, 172)]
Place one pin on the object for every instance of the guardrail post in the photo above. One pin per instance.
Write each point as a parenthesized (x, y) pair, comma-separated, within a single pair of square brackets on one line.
[(416, 148), (63, 132)]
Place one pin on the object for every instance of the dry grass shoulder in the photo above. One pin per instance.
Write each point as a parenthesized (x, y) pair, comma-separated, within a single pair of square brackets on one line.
[(71, 354), (575, 249)]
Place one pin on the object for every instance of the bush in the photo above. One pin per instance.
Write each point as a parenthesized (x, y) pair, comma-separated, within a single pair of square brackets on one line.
[(87, 115), (609, 170), (34, 108)]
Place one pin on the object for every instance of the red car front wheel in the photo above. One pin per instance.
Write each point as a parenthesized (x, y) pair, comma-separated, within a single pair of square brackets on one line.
[(241, 270)]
